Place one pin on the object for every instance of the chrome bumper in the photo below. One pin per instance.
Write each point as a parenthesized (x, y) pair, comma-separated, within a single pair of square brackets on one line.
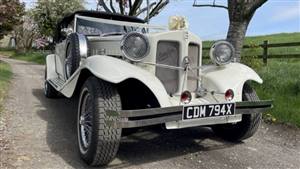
[(173, 116)]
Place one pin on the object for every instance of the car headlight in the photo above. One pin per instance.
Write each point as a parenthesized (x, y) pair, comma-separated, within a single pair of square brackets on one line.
[(135, 46), (222, 52)]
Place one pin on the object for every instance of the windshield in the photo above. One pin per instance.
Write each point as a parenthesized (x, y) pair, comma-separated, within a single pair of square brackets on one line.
[(87, 27)]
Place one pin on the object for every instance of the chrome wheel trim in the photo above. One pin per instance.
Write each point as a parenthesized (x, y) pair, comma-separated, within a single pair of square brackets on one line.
[(85, 122)]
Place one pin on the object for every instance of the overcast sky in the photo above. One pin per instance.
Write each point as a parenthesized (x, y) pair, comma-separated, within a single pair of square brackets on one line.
[(275, 16)]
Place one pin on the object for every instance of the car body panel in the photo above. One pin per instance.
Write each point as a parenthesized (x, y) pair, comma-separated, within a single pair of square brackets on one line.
[(231, 76), (115, 71)]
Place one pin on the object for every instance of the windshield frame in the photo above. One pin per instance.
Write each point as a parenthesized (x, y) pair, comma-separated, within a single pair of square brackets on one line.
[(118, 23)]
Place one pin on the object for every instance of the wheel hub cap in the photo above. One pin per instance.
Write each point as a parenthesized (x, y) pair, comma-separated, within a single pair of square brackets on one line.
[(85, 123)]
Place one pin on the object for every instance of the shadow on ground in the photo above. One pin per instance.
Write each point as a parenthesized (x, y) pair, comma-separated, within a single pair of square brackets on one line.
[(148, 145)]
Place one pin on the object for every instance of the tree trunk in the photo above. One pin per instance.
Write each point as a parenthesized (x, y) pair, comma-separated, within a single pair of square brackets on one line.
[(236, 34)]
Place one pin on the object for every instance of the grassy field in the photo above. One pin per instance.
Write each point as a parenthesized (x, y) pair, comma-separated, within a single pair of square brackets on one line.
[(281, 77), (256, 40), (5, 75), (282, 84), (32, 56)]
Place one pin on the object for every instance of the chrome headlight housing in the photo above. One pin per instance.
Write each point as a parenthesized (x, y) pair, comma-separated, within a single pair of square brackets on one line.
[(135, 46), (222, 52)]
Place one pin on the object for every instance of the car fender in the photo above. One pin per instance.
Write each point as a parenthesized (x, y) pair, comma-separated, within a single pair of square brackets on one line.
[(231, 76), (115, 71), (50, 66)]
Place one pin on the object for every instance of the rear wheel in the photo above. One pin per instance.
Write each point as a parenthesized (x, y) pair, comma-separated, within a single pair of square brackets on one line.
[(247, 127), (98, 138)]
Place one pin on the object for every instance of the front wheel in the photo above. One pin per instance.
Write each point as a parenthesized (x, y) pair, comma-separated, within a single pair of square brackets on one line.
[(49, 90), (244, 129), (98, 138)]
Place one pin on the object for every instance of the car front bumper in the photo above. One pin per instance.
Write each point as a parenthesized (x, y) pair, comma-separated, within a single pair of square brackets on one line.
[(172, 116)]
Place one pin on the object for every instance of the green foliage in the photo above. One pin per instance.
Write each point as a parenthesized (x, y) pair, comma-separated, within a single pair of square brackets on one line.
[(47, 13), (11, 12), (250, 58), (282, 84)]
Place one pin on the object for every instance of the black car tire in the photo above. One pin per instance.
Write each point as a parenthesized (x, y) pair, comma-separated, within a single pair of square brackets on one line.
[(244, 129), (72, 55), (96, 97), (49, 90)]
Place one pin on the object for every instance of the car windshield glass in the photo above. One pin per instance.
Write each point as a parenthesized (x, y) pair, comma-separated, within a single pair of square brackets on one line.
[(97, 28), (102, 27)]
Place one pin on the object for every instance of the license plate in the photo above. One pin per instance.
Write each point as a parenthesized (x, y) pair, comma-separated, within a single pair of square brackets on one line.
[(211, 110)]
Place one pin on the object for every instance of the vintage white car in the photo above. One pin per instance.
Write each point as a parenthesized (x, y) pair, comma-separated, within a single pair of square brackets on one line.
[(129, 74)]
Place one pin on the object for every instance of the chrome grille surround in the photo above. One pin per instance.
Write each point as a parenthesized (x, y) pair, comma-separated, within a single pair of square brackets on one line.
[(193, 54), (168, 54)]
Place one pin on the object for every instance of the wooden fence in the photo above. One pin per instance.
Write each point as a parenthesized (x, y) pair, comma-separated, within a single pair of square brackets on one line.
[(266, 46)]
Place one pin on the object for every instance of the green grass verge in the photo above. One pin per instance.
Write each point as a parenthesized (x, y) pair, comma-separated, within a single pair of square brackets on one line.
[(282, 84), (5, 75), (36, 57), (31, 56)]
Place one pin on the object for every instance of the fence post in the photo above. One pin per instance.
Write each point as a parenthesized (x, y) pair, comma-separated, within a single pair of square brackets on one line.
[(265, 54)]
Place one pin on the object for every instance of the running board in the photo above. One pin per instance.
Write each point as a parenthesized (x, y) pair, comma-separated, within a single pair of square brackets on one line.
[(57, 83)]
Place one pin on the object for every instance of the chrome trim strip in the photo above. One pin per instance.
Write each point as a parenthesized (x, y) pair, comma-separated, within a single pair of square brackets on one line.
[(241, 107), (83, 47), (122, 23), (163, 65)]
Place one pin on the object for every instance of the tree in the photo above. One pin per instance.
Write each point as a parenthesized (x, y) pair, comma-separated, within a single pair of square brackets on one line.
[(26, 33), (132, 7), (11, 12), (47, 13), (240, 14)]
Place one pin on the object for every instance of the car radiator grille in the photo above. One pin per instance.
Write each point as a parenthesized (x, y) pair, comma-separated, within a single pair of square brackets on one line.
[(193, 74), (168, 54)]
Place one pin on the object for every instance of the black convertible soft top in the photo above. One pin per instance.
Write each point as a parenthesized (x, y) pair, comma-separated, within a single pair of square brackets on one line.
[(98, 14), (63, 23)]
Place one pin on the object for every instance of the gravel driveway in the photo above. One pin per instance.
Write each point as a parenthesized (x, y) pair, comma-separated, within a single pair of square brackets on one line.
[(42, 134)]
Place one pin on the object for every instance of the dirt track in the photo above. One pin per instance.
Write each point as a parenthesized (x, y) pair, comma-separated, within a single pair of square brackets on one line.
[(41, 134)]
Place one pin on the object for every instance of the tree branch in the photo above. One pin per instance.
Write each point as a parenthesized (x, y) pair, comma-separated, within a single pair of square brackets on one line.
[(121, 7), (161, 4), (112, 6), (136, 5), (144, 9), (256, 5), (130, 4), (208, 5), (102, 3)]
